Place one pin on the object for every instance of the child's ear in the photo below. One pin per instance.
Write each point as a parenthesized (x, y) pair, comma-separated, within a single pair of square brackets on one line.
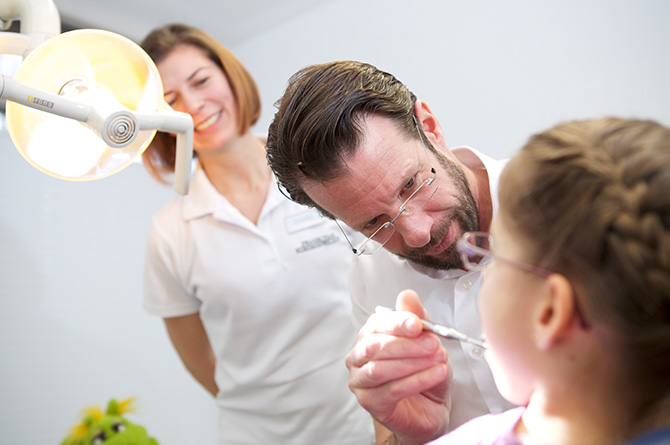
[(556, 311)]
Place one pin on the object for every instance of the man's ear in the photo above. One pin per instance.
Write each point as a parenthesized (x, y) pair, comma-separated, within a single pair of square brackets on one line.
[(429, 123), (556, 312)]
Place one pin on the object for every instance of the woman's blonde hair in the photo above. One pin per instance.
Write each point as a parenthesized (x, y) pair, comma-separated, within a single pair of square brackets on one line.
[(159, 157)]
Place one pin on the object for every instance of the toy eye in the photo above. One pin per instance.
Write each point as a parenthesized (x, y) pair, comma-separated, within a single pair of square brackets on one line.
[(119, 427), (98, 439)]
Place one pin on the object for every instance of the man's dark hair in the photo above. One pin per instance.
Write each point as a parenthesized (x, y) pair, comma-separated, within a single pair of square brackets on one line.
[(317, 123)]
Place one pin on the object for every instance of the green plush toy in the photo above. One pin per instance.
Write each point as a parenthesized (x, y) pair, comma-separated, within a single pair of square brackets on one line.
[(109, 428)]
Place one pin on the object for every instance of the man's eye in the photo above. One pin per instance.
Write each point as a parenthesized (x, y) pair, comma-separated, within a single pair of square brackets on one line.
[(410, 184), (370, 226)]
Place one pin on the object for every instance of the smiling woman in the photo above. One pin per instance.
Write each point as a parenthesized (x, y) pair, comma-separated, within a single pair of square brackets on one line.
[(234, 260)]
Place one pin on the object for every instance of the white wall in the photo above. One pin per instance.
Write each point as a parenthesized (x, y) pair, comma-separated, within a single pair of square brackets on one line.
[(72, 329), (493, 71)]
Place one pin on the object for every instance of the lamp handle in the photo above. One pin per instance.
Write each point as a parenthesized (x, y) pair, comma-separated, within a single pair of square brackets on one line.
[(171, 121), (182, 164)]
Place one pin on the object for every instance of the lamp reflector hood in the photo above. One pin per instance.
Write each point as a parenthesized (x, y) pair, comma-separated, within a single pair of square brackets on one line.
[(103, 69)]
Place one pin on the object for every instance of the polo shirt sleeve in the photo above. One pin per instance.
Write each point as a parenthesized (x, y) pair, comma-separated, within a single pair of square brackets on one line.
[(165, 292)]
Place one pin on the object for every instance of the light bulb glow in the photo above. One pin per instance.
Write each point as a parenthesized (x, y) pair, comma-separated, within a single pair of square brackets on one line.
[(64, 147), (102, 69)]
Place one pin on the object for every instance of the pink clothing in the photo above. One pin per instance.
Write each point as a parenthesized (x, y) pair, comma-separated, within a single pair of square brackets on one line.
[(490, 429), (498, 429)]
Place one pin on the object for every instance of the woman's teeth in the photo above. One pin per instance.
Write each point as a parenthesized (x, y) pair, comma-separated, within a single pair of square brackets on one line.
[(208, 123)]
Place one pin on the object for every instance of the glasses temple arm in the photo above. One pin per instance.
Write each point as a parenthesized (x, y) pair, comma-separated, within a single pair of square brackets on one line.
[(353, 249)]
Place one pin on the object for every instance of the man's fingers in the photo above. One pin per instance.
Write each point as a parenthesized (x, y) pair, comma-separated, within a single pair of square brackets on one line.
[(394, 323), (408, 301), (386, 397), (383, 347), (380, 372)]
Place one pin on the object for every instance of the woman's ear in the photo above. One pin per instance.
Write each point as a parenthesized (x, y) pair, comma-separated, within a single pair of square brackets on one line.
[(556, 312), (429, 123)]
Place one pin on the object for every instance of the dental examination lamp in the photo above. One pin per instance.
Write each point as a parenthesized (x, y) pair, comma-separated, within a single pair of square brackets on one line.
[(84, 104)]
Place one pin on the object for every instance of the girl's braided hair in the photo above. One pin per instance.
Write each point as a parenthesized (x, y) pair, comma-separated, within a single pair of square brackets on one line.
[(594, 198)]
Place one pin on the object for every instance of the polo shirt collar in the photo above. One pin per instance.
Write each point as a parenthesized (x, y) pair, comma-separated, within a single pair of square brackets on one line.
[(475, 159), (203, 199)]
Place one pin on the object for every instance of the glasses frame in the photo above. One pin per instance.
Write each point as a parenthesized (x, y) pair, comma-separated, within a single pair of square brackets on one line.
[(370, 246), (464, 247)]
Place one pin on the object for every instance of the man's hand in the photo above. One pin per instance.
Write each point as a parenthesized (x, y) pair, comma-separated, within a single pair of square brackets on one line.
[(400, 373)]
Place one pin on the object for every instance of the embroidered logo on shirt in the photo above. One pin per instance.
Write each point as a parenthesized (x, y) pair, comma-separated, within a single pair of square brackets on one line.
[(324, 240)]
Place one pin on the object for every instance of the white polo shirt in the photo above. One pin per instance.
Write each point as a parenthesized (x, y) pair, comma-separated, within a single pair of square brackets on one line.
[(449, 296), (273, 299)]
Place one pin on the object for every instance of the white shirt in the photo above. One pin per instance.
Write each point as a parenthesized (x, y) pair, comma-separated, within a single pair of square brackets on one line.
[(273, 299), (449, 296)]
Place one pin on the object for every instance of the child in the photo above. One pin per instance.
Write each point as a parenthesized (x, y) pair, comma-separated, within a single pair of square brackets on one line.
[(575, 302)]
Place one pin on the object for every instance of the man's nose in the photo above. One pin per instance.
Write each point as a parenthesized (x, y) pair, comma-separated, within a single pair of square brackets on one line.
[(414, 229)]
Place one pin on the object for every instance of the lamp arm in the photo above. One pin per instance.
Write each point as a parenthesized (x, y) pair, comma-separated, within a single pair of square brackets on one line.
[(111, 121), (39, 22), (14, 43), (171, 121), (41, 100)]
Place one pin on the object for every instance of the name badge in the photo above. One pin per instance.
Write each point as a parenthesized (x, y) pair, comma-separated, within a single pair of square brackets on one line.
[(303, 220)]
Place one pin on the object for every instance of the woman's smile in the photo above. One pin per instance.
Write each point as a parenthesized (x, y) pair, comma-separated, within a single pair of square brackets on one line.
[(207, 123)]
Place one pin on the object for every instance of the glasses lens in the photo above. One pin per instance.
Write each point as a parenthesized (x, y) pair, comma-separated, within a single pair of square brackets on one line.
[(475, 250), (377, 240), (420, 197)]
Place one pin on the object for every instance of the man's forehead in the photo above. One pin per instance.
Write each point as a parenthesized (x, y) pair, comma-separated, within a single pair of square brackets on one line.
[(372, 174), (343, 195)]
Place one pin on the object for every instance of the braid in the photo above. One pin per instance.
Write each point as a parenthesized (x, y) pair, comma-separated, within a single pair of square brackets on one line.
[(594, 196), (638, 237)]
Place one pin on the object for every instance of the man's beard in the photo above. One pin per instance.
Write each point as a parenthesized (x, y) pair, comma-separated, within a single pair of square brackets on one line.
[(466, 214)]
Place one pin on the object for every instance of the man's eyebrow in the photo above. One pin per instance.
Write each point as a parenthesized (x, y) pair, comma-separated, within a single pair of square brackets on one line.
[(409, 172)]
